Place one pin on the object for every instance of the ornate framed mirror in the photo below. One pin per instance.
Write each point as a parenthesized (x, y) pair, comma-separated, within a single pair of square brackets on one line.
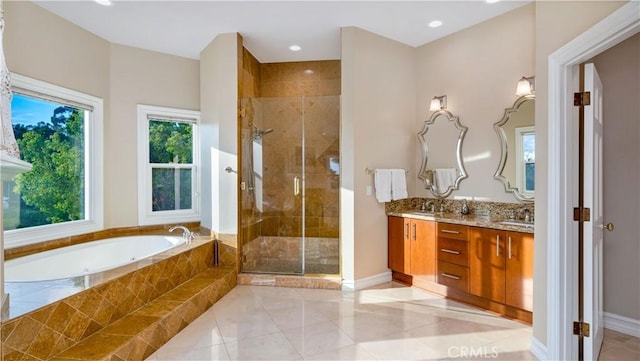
[(516, 132), (442, 167)]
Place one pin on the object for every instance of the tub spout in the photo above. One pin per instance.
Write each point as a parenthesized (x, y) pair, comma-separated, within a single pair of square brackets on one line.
[(187, 235)]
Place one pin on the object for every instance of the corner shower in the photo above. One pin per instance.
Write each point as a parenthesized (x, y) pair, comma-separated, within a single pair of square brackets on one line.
[(290, 174)]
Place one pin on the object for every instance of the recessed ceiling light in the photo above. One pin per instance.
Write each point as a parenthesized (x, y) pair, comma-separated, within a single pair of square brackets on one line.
[(435, 23), (295, 48), (104, 2), (308, 72), (491, 1)]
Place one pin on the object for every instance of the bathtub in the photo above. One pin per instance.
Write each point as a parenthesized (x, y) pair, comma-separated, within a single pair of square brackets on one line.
[(86, 258)]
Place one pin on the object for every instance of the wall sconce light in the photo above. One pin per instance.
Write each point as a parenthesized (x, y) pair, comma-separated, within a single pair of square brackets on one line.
[(438, 103), (526, 86)]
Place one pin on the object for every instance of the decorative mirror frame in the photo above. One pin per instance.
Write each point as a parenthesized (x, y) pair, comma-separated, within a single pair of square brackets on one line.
[(505, 149), (428, 181)]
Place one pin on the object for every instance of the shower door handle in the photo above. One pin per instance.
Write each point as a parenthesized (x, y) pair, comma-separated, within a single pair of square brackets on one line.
[(296, 186)]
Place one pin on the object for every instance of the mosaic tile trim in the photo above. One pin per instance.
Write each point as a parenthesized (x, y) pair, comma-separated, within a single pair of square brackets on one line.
[(51, 329)]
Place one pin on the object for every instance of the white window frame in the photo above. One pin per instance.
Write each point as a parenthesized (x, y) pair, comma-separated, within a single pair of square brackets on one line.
[(146, 215), (521, 178), (93, 153)]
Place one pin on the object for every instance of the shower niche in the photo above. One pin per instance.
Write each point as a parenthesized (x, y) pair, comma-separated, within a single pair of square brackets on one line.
[(290, 171)]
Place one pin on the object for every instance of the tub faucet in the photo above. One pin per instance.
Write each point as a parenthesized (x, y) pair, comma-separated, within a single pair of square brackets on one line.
[(186, 233)]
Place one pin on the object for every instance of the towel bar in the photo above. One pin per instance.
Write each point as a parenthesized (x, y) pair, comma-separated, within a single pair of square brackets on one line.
[(371, 171)]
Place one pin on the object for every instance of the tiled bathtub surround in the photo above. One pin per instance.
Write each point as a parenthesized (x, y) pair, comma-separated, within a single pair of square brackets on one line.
[(168, 292), (495, 210)]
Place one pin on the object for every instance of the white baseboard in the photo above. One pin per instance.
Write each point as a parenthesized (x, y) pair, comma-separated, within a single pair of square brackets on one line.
[(355, 285), (538, 349), (626, 325)]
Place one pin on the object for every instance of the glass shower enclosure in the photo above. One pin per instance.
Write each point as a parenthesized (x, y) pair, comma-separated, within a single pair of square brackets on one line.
[(290, 177)]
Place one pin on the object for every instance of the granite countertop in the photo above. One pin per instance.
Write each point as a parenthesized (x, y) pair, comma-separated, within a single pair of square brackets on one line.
[(468, 220)]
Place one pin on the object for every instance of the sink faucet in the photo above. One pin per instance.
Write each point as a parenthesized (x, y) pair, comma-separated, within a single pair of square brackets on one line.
[(527, 215), (432, 207), (186, 233)]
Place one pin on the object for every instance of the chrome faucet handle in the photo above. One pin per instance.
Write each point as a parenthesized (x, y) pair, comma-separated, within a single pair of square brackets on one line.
[(423, 207), (187, 235)]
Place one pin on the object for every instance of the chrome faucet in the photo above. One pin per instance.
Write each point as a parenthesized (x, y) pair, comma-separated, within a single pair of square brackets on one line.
[(187, 235), (527, 215)]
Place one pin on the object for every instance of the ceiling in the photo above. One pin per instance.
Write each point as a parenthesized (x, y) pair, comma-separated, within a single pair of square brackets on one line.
[(268, 28)]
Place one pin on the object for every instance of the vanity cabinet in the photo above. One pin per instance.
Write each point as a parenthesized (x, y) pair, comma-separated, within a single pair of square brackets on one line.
[(501, 266), (411, 246), (453, 256)]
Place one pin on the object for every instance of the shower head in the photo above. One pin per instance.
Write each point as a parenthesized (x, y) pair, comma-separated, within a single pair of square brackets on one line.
[(258, 133)]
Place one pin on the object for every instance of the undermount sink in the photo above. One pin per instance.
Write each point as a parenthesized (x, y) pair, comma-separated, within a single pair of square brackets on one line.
[(518, 223), (422, 213)]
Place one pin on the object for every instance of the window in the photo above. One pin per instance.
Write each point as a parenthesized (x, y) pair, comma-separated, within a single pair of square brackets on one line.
[(526, 159), (59, 131), (167, 165)]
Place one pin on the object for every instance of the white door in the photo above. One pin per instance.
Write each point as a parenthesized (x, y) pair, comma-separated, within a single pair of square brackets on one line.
[(593, 231)]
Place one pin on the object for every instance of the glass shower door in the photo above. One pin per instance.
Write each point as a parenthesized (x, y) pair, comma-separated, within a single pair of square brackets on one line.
[(291, 171), (321, 124), (272, 211)]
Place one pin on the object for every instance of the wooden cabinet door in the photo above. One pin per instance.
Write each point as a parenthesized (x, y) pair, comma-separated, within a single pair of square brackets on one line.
[(519, 275), (422, 236), (487, 267), (398, 244)]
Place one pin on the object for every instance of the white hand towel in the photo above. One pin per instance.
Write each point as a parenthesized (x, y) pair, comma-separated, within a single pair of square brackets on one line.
[(398, 184), (382, 180), (445, 178)]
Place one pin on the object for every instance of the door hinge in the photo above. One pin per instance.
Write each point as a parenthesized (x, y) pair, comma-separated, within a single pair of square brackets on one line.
[(581, 329), (581, 214), (581, 99), (242, 113)]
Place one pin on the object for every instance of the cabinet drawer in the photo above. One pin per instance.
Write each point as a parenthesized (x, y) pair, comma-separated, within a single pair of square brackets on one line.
[(453, 251), (454, 231), (453, 275)]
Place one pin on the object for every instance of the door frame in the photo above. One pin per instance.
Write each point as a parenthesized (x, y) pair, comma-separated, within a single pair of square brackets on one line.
[(562, 256)]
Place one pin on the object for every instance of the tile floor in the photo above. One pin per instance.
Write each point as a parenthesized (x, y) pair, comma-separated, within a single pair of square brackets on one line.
[(385, 322), (618, 346)]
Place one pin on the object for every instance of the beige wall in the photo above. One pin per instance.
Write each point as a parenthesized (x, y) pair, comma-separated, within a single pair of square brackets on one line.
[(619, 70), (377, 131), (219, 129), (478, 69), (43, 46), (46, 47), (552, 32), (138, 77)]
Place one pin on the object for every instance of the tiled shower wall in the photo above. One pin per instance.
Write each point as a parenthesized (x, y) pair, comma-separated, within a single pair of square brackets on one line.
[(277, 96)]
